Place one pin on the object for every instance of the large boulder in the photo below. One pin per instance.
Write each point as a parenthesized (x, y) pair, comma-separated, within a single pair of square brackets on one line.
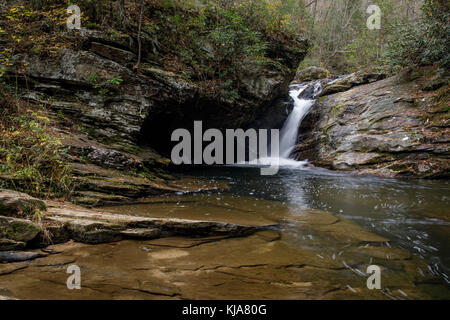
[(18, 229), (311, 73), (388, 128), (14, 203), (352, 80)]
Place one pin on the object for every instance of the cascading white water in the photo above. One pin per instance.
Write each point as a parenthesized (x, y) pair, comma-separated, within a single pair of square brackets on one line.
[(289, 132)]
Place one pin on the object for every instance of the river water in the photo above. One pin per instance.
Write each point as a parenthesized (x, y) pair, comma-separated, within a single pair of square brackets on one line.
[(323, 231), (413, 214), (328, 228)]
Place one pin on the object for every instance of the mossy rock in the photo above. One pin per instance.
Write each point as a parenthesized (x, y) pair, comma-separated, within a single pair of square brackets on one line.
[(311, 73), (8, 245), (18, 229), (13, 203)]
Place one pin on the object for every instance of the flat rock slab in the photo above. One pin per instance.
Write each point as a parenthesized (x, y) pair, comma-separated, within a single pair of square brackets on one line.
[(232, 268), (150, 233), (94, 226), (6, 298)]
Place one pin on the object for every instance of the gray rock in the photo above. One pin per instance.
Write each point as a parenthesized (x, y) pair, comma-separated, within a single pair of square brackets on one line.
[(385, 128), (17, 256), (349, 81), (13, 203), (142, 233), (113, 53), (311, 73), (18, 229)]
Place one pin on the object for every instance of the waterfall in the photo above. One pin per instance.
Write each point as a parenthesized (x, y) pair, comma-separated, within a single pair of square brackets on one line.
[(304, 98), (289, 132)]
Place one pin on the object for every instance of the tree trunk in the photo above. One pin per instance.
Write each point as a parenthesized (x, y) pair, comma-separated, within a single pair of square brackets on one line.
[(139, 35)]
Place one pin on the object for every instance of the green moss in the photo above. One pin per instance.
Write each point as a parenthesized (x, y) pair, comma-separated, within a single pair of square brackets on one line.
[(21, 231), (338, 109)]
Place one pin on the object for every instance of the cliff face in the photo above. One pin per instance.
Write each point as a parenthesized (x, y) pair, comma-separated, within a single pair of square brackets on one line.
[(115, 120), (394, 127), (95, 84)]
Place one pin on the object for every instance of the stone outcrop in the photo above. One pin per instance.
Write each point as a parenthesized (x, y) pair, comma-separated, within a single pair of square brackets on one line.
[(311, 73), (117, 121), (89, 226), (15, 233), (95, 84), (16, 203), (63, 222), (393, 127), (347, 82)]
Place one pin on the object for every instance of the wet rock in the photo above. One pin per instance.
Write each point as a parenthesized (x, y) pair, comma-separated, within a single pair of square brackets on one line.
[(180, 242), (141, 233), (7, 298), (13, 203), (275, 116), (311, 73), (20, 230), (380, 253), (8, 244), (313, 217), (347, 82), (17, 256), (387, 128)]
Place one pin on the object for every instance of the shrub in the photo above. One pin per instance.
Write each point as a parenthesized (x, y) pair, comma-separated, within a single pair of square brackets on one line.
[(31, 155), (423, 43)]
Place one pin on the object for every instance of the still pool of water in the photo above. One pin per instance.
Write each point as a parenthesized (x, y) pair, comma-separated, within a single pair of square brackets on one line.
[(321, 232), (413, 216)]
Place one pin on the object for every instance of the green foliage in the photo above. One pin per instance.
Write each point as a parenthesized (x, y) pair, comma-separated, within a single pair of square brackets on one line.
[(31, 155), (413, 32), (116, 80), (102, 85), (425, 42), (216, 40)]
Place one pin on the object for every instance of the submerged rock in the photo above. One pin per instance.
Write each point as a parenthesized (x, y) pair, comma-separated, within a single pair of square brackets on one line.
[(17, 256), (148, 233)]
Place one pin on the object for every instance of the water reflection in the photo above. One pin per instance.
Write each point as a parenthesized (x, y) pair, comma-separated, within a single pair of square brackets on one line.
[(414, 214)]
